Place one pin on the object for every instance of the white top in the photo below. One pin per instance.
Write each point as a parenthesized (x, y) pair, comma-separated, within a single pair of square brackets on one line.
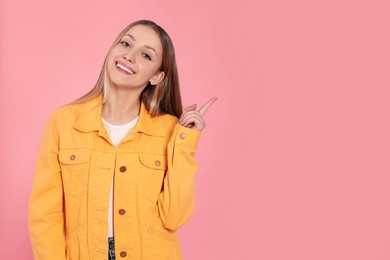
[(116, 133)]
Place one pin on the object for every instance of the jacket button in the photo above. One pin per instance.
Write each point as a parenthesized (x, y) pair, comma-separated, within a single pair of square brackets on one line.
[(123, 254), (121, 212), (122, 168), (72, 157), (157, 163), (182, 135)]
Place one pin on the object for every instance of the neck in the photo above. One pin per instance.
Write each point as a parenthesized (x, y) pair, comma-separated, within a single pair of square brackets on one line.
[(121, 105)]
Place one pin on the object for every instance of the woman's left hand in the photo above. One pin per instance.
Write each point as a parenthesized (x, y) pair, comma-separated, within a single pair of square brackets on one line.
[(193, 118)]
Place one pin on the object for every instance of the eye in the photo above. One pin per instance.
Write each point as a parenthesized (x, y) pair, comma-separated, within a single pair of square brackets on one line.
[(126, 44), (146, 56)]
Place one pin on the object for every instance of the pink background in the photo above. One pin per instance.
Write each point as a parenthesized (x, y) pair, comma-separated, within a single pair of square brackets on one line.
[(294, 161)]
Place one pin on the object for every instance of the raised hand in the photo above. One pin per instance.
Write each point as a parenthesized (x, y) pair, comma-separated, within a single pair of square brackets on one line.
[(193, 118)]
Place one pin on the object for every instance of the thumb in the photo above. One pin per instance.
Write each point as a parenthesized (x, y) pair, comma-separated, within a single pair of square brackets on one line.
[(190, 108)]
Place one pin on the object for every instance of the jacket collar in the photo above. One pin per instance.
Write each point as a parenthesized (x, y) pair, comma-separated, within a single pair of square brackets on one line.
[(90, 119)]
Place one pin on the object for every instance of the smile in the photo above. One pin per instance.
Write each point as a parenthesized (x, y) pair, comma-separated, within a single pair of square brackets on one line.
[(125, 69)]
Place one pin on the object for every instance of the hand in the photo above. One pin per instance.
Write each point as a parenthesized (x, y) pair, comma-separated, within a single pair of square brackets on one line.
[(193, 118)]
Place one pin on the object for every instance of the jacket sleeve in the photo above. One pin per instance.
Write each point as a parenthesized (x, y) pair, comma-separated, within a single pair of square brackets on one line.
[(177, 200), (45, 216)]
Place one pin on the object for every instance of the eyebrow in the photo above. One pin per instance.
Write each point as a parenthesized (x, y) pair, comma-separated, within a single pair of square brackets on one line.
[(147, 46)]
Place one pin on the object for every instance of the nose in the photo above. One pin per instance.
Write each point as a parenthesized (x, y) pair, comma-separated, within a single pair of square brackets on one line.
[(129, 55)]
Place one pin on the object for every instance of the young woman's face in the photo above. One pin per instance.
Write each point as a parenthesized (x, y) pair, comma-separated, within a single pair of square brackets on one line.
[(136, 59)]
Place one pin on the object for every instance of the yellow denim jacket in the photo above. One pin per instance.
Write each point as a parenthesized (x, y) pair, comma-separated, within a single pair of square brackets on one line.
[(153, 170)]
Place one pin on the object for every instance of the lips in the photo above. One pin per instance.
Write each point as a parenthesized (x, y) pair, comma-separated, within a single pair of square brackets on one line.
[(124, 68)]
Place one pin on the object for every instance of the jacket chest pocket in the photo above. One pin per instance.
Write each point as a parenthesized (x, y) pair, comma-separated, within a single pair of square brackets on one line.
[(153, 171), (74, 170)]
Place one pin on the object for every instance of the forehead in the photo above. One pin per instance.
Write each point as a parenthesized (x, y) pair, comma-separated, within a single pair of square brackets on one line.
[(145, 35)]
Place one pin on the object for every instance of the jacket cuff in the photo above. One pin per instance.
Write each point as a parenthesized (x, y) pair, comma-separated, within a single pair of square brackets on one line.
[(186, 136)]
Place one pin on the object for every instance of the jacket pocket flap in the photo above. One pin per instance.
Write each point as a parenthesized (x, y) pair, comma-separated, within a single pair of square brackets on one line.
[(155, 161), (74, 156)]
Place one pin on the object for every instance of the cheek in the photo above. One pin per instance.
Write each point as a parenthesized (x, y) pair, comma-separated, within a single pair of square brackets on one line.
[(149, 68), (115, 51), (110, 60)]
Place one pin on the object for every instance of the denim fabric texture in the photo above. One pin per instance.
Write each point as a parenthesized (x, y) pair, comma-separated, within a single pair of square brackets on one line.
[(111, 249)]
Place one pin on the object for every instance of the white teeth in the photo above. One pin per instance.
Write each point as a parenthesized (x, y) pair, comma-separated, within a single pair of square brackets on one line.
[(124, 68)]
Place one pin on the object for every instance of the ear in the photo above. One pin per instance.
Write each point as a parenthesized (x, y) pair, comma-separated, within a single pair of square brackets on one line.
[(157, 78)]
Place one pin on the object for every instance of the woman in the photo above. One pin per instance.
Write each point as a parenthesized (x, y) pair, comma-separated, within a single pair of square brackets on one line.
[(115, 170)]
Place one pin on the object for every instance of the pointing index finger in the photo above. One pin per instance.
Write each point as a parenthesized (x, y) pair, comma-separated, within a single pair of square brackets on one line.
[(206, 106)]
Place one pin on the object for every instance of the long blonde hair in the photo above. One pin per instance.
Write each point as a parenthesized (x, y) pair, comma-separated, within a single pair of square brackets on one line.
[(164, 98)]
